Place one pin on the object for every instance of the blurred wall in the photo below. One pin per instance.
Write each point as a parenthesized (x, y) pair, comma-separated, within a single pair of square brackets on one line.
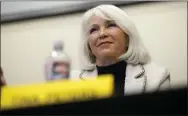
[(25, 45)]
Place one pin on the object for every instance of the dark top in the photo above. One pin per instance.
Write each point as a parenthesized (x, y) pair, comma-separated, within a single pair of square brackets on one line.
[(118, 71)]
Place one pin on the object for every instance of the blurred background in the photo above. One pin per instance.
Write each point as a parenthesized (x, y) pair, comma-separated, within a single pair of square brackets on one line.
[(28, 29)]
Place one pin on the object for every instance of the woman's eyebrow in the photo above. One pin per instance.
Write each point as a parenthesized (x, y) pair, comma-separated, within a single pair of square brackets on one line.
[(110, 21), (93, 25)]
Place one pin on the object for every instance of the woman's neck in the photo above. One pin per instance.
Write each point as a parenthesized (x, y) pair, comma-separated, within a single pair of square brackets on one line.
[(106, 62)]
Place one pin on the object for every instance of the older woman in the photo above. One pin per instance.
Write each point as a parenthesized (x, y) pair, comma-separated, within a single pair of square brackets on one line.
[(112, 44)]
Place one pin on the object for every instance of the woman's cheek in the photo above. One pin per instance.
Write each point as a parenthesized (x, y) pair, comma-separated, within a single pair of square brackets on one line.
[(92, 40), (91, 43)]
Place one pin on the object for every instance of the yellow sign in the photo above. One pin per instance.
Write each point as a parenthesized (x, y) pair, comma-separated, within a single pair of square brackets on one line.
[(60, 91)]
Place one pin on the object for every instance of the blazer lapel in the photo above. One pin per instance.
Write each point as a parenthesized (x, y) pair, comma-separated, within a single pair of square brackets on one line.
[(135, 79)]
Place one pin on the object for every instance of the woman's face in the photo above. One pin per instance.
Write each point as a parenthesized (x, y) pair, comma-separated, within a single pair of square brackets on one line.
[(106, 39)]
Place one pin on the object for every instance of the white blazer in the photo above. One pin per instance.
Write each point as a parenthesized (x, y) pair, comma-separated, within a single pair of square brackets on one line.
[(139, 78)]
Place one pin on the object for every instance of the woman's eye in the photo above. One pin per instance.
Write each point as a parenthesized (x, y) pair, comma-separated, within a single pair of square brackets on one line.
[(92, 30)]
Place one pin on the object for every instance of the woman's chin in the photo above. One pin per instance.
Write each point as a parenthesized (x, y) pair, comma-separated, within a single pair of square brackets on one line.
[(106, 52)]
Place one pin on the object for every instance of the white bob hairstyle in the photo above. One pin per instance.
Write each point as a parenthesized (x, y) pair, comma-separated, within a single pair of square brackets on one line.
[(136, 53)]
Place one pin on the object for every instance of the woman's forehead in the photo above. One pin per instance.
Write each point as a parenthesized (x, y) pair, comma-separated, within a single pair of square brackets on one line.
[(98, 20)]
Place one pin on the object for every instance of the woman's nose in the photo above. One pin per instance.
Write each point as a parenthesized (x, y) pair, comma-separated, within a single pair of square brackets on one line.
[(103, 34)]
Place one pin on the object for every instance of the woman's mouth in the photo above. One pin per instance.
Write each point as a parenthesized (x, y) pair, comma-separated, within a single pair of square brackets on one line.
[(104, 43)]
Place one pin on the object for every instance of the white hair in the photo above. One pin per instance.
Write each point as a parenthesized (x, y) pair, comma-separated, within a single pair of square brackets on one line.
[(136, 53)]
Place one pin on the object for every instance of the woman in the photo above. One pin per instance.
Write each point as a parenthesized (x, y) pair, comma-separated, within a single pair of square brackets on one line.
[(112, 45)]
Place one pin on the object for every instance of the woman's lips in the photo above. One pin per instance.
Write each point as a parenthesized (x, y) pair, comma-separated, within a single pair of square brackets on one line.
[(104, 43)]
